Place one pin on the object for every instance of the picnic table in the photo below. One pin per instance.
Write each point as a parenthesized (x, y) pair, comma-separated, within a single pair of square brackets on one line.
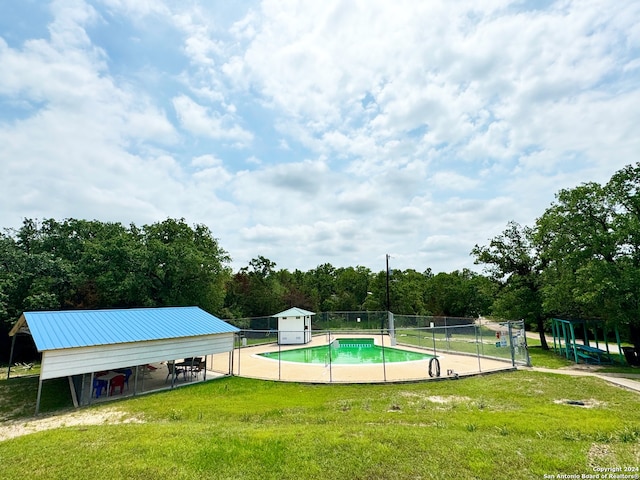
[(592, 355), (192, 365)]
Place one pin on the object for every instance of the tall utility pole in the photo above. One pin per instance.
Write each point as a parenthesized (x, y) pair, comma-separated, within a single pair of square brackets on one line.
[(388, 303)]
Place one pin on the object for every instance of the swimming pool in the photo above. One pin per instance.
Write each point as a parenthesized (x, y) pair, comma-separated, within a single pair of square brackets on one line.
[(347, 351)]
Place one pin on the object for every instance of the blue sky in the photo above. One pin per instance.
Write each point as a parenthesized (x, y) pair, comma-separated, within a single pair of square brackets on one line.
[(315, 132)]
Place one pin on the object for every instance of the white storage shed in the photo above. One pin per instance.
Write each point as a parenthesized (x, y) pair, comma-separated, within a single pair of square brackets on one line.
[(77, 343), (294, 326)]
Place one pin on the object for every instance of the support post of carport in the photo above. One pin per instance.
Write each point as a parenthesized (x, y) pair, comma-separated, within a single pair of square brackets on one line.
[(74, 396), (233, 357), (39, 395), (13, 344), (91, 379)]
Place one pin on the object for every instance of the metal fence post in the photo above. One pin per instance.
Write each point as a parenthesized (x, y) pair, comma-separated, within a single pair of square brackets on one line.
[(433, 336), (384, 365), (330, 360), (478, 349), (239, 355), (513, 349)]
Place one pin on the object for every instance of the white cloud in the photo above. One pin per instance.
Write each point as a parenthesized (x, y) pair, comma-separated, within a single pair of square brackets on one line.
[(302, 177), (452, 181), (200, 121), (137, 8), (204, 161), (199, 45), (284, 145)]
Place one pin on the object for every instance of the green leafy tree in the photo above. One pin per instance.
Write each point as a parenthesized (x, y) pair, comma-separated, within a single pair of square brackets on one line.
[(107, 262), (512, 260), (407, 292), (185, 265), (257, 290), (295, 292), (459, 294), (114, 266), (590, 240), (575, 242), (623, 191), (377, 300), (351, 287), (31, 278), (322, 283)]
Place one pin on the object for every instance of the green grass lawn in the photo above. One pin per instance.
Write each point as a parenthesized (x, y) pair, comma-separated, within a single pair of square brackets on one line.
[(502, 426), (547, 358)]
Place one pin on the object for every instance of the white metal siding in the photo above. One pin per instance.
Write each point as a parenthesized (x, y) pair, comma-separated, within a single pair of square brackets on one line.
[(291, 331), (75, 361)]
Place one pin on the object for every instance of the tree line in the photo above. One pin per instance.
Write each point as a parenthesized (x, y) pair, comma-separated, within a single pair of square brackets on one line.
[(81, 264), (581, 259)]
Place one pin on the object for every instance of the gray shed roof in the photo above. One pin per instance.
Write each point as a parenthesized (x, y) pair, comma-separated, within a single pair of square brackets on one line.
[(294, 312)]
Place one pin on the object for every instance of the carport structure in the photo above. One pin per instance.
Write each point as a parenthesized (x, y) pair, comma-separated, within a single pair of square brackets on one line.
[(78, 343)]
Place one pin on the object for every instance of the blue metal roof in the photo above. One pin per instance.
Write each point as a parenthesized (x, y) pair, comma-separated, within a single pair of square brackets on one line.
[(85, 328)]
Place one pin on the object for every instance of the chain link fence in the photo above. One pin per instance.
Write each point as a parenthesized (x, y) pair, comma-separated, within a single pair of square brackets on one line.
[(498, 340), (453, 347)]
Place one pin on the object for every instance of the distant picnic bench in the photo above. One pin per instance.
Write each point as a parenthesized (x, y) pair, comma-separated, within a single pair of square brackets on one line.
[(593, 355), (567, 343)]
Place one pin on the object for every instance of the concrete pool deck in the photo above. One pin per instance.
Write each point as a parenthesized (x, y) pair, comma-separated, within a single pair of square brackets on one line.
[(248, 363)]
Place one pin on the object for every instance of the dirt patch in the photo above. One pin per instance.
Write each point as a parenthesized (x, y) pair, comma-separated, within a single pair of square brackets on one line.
[(17, 428), (448, 399), (600, 454), (436, 398), (591, 403)]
